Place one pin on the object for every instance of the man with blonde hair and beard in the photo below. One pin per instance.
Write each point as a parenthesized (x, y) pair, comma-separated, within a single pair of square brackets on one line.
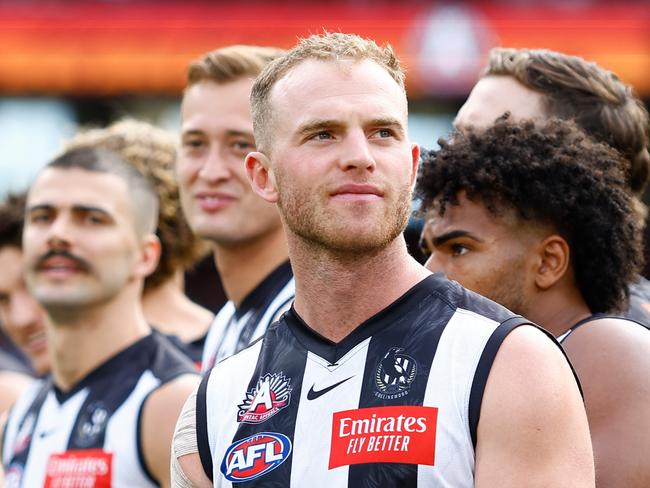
[(368, 382)]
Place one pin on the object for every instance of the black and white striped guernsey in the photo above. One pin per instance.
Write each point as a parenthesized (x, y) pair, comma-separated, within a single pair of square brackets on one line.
[(394, 404), (89, 436), (233, 328)]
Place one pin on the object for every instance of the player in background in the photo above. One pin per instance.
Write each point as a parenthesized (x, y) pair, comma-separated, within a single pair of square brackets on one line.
[(245, 231), (152, 151), (539, 84), (539, 219), (105, 416)]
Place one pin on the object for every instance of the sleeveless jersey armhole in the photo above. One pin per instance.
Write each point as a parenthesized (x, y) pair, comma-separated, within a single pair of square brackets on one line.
[(485, 364), (202, 427), (483, 369)]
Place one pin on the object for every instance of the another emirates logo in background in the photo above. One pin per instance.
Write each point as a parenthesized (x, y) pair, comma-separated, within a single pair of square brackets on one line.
[(271, 394)]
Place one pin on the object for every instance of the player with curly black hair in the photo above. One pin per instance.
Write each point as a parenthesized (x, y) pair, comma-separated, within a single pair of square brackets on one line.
[(540, 84), (539, 219)]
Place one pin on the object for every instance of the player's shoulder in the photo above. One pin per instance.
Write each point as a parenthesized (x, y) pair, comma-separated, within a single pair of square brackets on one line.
[(165, 361), (609, 330), (617, 338)]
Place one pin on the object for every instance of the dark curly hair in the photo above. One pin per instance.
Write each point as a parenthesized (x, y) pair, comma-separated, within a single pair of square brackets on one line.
[(552, 174)]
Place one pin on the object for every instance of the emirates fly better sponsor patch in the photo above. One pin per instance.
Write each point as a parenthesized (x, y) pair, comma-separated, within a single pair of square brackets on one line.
[(402, 434), (79, 468)]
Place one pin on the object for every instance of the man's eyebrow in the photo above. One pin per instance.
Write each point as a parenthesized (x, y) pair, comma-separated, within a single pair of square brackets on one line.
[(315, 125), (75, 208), (387, 122), (90, 208), (192, 132), (454, 234), (40, 206)]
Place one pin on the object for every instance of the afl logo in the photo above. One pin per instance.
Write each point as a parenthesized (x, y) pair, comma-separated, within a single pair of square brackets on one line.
[(255, 456), (395, 373)]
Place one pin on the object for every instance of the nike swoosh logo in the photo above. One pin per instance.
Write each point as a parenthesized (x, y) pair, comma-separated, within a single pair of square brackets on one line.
[(313, 394)]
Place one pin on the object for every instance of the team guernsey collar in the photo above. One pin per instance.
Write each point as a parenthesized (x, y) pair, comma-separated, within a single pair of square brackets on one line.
[(332, 351), (269, 287)]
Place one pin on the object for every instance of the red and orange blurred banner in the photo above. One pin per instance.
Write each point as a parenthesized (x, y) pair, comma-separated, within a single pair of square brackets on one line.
[(143, 47)]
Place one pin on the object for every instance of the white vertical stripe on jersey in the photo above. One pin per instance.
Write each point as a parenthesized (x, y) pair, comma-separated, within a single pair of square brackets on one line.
[(123, 421), (52, 433), (307, 469), (21, 406), (457, 356), (222, 406)]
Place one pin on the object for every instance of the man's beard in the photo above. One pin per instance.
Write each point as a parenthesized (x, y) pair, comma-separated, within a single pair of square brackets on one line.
[(322, 227)]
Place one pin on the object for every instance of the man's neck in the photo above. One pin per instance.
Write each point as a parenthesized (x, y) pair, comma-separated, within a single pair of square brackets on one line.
[(169, 310), (244, 266), (80, 342), (558, 310), (336, 293)]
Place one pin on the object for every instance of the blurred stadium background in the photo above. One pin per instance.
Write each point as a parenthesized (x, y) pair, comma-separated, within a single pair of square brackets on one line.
[(68, 64)]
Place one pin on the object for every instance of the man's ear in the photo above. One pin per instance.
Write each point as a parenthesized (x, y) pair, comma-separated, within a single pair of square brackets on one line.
[(150, 249), (553, 261), (260, 176), (415, 161)]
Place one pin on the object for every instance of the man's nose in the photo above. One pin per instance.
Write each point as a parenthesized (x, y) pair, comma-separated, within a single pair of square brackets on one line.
[(356, 152), (215, 167)]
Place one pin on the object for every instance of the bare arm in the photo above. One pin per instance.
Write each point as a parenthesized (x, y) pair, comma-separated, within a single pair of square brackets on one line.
[(159, 415), (187, 470), (533, 428), (612, 359)]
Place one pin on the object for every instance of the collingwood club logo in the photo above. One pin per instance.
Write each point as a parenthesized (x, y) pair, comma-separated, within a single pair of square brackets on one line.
[(271, 394), (395, 373), (92, 425)]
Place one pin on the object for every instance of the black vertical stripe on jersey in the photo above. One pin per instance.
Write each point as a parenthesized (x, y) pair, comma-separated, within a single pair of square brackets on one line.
[(483, 369), (110, 391), (278, 354), (20, 458), (259, 300), (109, 394), (202, 427), (415, 326)]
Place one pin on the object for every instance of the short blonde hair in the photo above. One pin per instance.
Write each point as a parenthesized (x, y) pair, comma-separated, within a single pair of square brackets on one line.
[(152, 151), (231, 63), (325, 47)]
